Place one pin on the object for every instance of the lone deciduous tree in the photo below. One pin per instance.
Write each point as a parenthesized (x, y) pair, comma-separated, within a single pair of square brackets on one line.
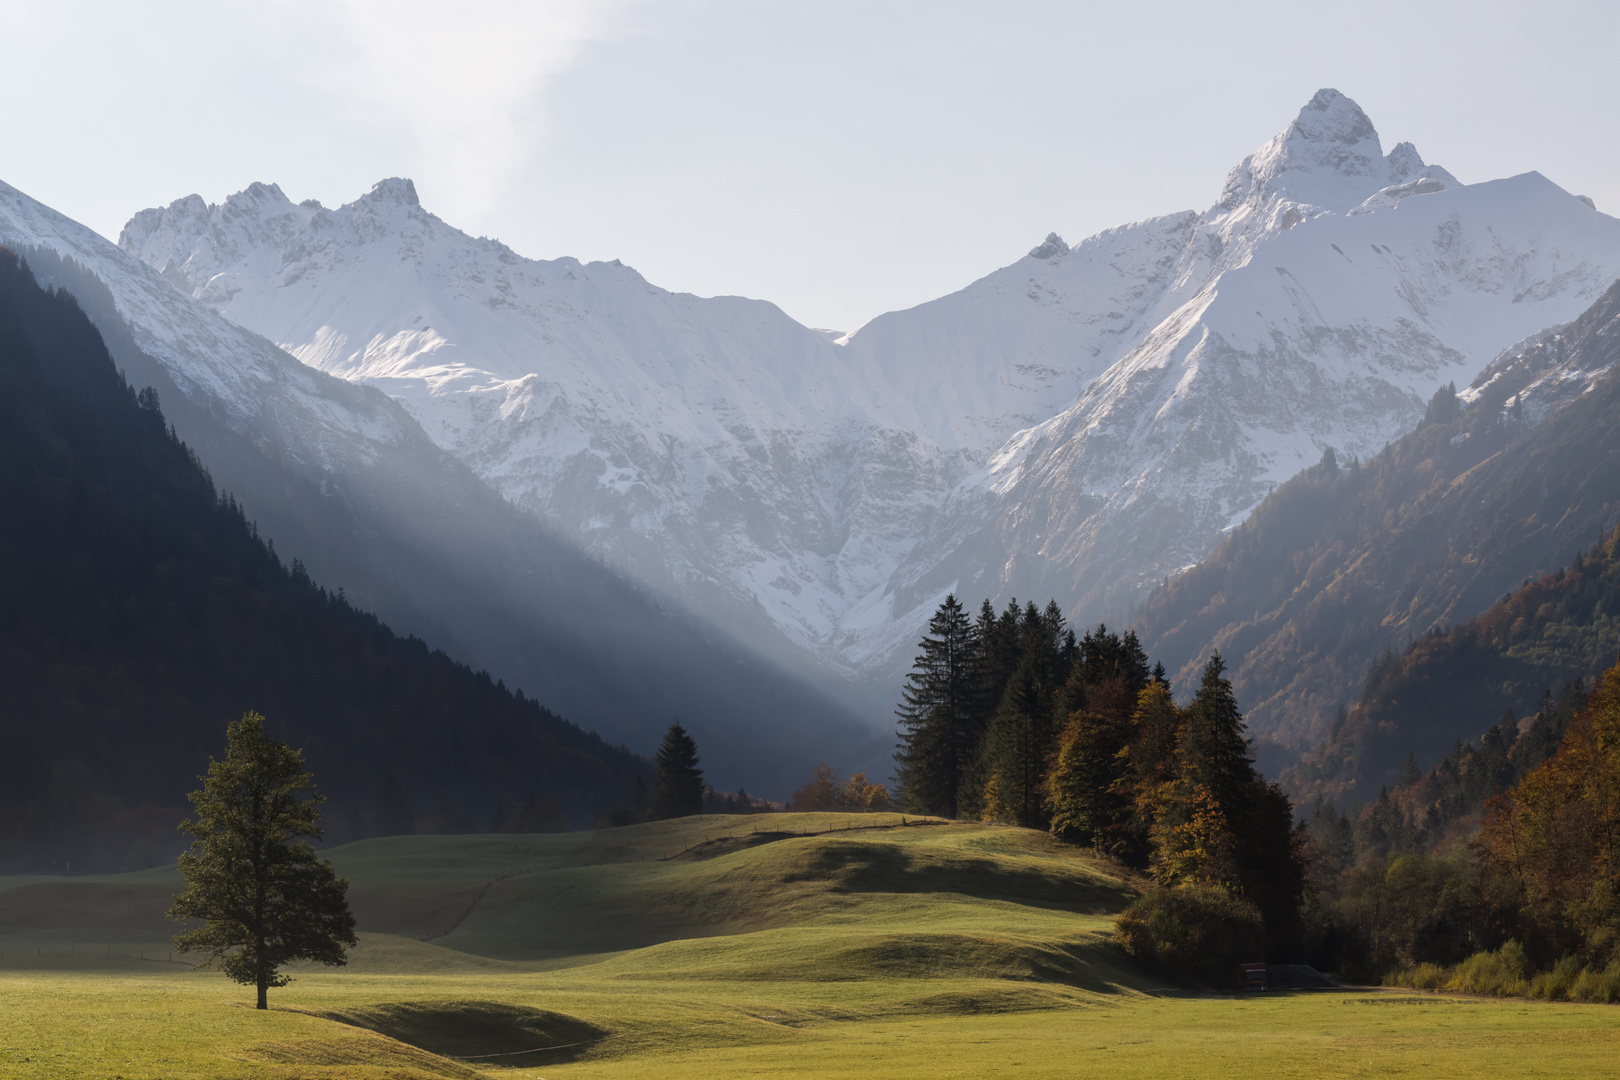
[(265, 898)]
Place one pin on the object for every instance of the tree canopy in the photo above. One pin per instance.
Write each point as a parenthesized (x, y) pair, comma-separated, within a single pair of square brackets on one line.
[(1011, 718), (939, 721), (264, 897), (677, 779)]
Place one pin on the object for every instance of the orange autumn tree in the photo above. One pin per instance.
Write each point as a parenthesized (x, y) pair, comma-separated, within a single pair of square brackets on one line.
[(856, 795), (1556, 836)]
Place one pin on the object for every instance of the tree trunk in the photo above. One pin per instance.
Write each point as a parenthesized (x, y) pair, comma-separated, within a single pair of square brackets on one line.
[(260, 972)]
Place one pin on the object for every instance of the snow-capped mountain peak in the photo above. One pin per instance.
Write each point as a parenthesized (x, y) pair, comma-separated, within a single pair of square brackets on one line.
[(392, 190), (1329, 156), (1052, 246), (1318, 303), (1076, 424), (1327, 160), (714, 448)]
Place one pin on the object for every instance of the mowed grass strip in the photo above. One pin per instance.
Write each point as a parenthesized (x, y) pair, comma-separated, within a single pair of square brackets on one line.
[(782, 945)]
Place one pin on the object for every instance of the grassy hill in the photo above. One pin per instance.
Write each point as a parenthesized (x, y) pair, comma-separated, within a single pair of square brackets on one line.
[(782, 945), (556, 897)]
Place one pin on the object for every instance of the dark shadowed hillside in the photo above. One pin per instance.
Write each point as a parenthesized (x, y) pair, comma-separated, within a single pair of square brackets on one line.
[(1348, 560), (415, 537), (140, 611)]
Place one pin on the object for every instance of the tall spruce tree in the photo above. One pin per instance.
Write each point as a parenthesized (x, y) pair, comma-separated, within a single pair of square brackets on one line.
[(677, 779), (1213, 751), (941, 723), (995, 638), (264, 897), (1016, 747), (1156, 729), (1000, 649), (1219, 822), (1023, 654)]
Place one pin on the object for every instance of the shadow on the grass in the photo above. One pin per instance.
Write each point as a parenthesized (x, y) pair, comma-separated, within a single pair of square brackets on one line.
[(476, 1032)]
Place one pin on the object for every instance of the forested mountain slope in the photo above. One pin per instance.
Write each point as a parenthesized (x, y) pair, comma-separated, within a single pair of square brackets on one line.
[(340, 476), (1455, 683), (140, 611), (1346, 561)]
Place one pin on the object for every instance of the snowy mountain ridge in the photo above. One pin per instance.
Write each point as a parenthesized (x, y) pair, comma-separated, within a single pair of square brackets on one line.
[(341, 476), (1078, 424), (1319, 302), (316, 421), (711, 447)]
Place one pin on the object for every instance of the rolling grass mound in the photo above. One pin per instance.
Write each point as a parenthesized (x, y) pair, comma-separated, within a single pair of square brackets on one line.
[(806, 896), (548, 898), (787, 944), (492, 1032), (90, 904)]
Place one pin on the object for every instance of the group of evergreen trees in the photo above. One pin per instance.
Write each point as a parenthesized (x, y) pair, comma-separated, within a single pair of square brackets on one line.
[(1010, 717)]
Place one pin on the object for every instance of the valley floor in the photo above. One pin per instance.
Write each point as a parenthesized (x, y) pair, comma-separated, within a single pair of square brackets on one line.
[(788, 945)]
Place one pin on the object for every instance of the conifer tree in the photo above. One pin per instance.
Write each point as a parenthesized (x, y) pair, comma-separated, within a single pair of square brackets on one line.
[(1217, 822), (997, 649), (941, 725), (1016, 747), (1088, 792), (1156, 728), (677, 779), (1147, 780), (1000, 649), (1213, 752), (265, 898)]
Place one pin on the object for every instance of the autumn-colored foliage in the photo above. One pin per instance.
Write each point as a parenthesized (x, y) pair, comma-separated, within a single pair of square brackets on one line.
[(855, 795), (1556, 834), (1202, 930)]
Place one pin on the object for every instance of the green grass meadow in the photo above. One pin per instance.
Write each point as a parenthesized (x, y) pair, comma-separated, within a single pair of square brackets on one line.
[(780, 945)]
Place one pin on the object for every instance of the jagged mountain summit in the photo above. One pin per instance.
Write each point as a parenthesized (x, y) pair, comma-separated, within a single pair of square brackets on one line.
[(1318, 303), (341, 476), (714, 447), (1078, 424)]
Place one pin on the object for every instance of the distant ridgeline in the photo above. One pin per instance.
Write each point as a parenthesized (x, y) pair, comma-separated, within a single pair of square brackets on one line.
[(140, 611), (1347, 561), (1549, 637)]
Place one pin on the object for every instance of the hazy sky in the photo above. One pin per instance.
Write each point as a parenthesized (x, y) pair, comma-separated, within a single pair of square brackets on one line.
[(840, 159)]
